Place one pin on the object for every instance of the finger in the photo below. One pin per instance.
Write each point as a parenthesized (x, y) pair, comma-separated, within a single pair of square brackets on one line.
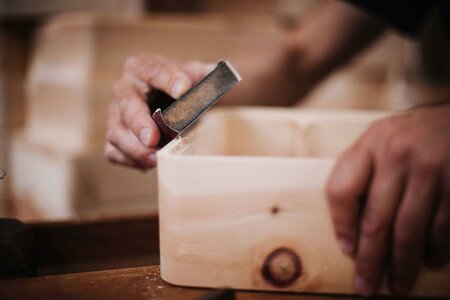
[(113, 115), (135, 115), (410, 227), (159, 74), (197, 70), (127, 143), (438, 252), (115, 156), (346, 185), (377, 218)]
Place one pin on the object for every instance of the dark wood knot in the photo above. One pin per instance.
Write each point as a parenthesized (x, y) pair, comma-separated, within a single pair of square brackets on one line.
[(282, 267)]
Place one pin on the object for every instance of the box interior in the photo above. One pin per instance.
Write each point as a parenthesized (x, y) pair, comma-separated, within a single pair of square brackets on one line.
[(274, 133)]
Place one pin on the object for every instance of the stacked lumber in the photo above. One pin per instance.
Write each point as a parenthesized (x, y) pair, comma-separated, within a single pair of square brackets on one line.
[(13, 52)]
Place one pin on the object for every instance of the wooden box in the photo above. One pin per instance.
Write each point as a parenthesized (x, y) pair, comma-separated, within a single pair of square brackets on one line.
[(242, 202)]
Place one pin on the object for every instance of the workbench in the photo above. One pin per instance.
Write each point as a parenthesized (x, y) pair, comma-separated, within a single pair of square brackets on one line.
[(108, 258)]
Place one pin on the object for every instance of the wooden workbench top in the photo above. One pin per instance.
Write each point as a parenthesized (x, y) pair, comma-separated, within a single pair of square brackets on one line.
[(132, 283), (109, 258)]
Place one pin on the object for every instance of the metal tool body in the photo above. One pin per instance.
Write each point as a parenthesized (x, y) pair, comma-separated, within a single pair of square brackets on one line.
[(190, 106)]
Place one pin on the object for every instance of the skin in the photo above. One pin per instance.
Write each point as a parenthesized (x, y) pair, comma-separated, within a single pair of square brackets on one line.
[(389, 194), (390, 198)]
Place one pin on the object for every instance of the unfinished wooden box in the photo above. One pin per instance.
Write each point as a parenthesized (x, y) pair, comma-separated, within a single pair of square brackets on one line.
[(242, 203)]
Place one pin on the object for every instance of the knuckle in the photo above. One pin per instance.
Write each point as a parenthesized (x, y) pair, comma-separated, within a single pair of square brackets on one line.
[(134, 60), (154, 70), (399, 148), (131, 61), (109, 153), (178, 75), (380, 125), (377, 129), (339, 193), (195, 62), (367, 139), (335, 192), (125, 102), (138, 121), (118, 87), (429, 162), (374, 225)]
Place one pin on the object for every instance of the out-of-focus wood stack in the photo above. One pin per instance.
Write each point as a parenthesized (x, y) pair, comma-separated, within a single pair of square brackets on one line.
[(57, 162), (13, 60), (18, 21), (376, 79)]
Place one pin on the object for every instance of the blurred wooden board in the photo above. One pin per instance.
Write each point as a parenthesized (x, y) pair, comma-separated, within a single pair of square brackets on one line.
[(30, 8), (48, 183), (133, 283), (124, 248), (90, 244)]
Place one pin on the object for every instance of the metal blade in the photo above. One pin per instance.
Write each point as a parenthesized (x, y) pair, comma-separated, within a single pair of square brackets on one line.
[(201, 97)]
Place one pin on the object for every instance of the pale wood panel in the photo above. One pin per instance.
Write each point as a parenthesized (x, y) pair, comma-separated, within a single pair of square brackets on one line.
[(244, 217), (48, 183)]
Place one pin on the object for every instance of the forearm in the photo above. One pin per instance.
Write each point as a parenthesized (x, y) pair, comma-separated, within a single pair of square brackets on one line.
[(283, 73)]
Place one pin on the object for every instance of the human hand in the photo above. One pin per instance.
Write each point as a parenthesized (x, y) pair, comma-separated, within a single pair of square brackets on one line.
[(389, 196), (132, 134)]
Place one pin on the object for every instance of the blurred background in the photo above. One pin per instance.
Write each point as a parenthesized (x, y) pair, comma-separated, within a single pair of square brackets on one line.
[(59, 60)]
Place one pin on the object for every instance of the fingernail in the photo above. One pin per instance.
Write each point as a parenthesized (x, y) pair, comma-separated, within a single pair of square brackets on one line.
[(362, 286), (152, 159), (144, 136), (346, 246), (178, 88)]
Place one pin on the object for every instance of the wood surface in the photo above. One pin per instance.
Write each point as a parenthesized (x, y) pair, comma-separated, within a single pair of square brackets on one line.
[(242, 203), (51, 184), (112, 245), (91, 244), (132, 283), (108, 244)]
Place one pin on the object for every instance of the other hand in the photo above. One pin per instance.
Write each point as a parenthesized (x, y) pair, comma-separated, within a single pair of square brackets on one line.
[(389, 196)]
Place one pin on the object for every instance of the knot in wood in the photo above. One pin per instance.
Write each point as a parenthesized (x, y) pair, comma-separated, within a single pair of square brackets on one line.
[(282, 267)]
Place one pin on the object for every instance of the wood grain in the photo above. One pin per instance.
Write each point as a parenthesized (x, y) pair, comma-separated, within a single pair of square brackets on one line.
[(133, 283), (242, 203)]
